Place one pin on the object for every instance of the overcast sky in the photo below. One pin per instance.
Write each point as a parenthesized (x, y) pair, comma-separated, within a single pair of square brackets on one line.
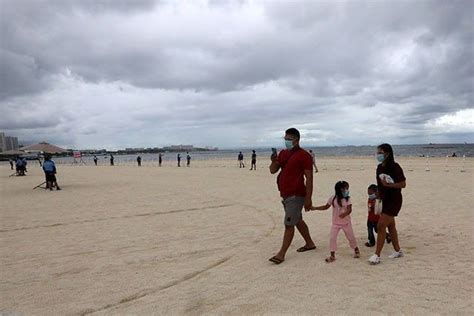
[(115, 73)]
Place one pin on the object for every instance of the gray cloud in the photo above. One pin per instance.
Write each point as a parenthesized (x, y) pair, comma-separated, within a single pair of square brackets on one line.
[(103, 69)]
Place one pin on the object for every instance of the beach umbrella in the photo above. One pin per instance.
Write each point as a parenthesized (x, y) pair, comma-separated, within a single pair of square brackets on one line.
[(44, 147), (13, 152)]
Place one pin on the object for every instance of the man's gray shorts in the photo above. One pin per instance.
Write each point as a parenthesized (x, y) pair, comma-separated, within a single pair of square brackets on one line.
[(293, 206)]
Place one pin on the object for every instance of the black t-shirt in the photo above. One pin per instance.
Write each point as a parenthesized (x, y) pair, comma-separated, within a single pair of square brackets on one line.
[(391, 197)]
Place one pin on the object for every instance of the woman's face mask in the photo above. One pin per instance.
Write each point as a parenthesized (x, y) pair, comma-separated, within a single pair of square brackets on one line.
[(380, 157)]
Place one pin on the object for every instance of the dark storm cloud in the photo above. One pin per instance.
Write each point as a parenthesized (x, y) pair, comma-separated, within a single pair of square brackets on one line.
[(234, 64)]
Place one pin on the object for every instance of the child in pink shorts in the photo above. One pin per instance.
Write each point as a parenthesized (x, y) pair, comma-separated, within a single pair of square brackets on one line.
[(341, 219)]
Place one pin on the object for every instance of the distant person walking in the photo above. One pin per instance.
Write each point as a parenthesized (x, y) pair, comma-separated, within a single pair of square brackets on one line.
[(95, 160), (111, 160), (240, 158), (49, 169), (390, 182), (313, 157), (11, 163), (139, 161), (294, 164), (178, 157), (160, 159), (188, 159), (253, 166), (20, 165)]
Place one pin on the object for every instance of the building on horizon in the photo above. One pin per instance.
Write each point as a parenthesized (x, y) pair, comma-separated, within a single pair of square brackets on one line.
[(179, 148), (8, 142)]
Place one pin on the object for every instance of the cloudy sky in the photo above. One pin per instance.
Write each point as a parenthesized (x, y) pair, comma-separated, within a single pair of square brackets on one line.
[(138, 73)]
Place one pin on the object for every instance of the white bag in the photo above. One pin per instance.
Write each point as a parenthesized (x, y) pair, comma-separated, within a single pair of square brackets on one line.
[(378, 207)]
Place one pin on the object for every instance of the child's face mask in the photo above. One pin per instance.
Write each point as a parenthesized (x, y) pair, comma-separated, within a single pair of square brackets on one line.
[(372, 196), (346, 194)]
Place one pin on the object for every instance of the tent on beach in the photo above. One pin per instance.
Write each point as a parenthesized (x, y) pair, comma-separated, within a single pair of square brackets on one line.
[(45, 148)]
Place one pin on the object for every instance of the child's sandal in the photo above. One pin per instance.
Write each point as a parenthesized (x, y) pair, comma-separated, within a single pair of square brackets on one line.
[(330, 259), (356, 254)]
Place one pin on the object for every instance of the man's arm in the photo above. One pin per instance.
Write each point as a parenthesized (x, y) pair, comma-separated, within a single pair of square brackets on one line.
[(274, 166), (308, 202)]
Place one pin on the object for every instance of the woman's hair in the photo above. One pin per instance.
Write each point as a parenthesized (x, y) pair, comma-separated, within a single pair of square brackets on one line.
[(338, 190), (386, 148)]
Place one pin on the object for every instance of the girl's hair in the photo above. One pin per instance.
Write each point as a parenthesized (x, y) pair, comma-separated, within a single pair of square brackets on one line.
[(386, 148), (338, 189)]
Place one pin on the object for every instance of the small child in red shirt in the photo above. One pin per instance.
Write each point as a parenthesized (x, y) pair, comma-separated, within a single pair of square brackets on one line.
[(372, 218)]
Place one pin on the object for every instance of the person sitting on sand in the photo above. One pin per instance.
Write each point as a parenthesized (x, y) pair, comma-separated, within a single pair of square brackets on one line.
[(391, 196), (341, 218), (294, 164), (49, 169)]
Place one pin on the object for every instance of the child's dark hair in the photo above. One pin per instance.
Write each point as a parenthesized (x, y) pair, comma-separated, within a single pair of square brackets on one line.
[(338, 190), (373, 187), (387, 148)]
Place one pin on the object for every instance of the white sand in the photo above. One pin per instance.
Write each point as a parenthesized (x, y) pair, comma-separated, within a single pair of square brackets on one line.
[(129, 240)]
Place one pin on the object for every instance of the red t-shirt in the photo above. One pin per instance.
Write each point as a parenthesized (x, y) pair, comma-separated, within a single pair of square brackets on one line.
[(371, 207), (293, 163)]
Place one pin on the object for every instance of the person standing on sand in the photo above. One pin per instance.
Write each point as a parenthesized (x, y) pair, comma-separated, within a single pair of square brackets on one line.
[(111, 160), (188, 159), (95, 160), (139, 161), (240, 158), (294, 164), (160, 159), (391, 181), (313, 157), (253, 166), (11, 163), (178, 157)]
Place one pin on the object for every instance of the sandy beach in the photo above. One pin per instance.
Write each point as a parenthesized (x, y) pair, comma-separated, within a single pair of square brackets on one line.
[(149, 240)]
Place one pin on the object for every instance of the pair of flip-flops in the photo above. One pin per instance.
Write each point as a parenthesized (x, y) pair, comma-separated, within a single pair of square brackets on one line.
[(304, 248), (276, 260)]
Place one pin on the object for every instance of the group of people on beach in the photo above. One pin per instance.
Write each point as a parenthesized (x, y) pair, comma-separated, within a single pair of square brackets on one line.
[(295, 183)]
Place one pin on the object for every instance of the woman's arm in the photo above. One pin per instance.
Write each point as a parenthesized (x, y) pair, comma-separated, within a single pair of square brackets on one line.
[(398, 185)]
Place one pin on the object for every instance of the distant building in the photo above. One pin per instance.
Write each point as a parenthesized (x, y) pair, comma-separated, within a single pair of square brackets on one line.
[(8, 142), (179, 148)]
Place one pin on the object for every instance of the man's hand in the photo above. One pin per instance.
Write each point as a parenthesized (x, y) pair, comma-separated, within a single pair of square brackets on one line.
[(307, 204)]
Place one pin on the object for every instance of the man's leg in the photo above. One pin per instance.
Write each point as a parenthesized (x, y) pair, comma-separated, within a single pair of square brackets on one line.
[(384, 221), (304, 231), (287, 239)]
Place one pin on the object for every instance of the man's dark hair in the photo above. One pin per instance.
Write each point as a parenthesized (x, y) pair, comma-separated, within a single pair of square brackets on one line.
[(293, 132)]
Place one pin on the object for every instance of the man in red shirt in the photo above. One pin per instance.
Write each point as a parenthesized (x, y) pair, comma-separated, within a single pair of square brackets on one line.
[(295, 164)]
